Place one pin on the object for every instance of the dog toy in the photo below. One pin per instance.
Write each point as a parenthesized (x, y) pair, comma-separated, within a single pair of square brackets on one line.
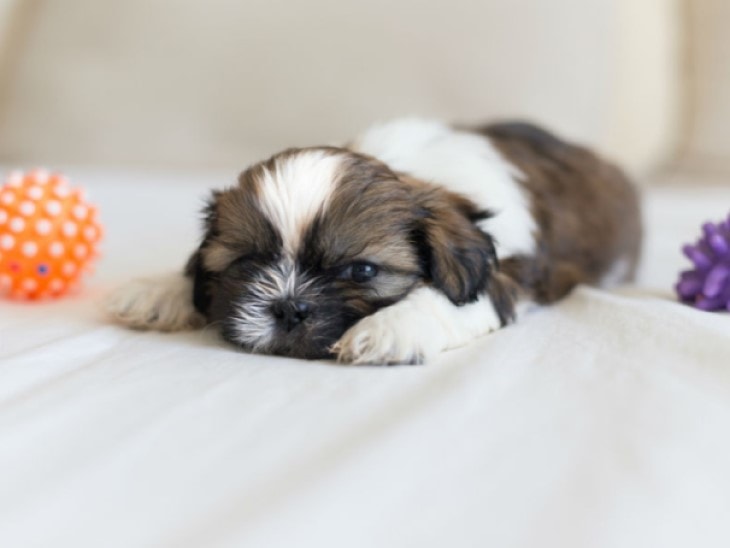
[(707, 286), (48, 235)]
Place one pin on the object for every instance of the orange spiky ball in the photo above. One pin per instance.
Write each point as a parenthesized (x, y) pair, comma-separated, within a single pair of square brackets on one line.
[(48, 235)]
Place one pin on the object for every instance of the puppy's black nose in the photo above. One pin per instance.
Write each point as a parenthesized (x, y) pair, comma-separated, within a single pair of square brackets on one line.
[(289, 313)]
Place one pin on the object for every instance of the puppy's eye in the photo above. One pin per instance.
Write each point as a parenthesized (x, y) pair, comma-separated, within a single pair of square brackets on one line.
[(360, 272)]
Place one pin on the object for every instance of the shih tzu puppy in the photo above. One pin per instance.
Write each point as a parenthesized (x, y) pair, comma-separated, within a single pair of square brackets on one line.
[(414, 238)]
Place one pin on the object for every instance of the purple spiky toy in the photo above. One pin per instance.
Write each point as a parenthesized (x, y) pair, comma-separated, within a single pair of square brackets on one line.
[(707, 286)]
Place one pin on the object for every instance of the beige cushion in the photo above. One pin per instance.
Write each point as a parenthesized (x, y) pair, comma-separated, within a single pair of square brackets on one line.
[(707, 139), (13, 15), (191, 83)]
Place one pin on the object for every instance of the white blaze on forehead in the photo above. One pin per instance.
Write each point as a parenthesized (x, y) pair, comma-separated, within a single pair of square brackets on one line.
[(297, 189)]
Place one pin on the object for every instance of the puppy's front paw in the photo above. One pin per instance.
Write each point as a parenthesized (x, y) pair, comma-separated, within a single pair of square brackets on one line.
[(162, 304), (388, 337)]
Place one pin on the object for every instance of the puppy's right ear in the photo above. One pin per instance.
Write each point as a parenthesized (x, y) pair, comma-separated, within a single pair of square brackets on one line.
[(195, 269), (459, 259)]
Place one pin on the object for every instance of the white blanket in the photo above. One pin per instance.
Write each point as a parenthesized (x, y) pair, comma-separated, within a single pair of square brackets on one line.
[(603, 421)]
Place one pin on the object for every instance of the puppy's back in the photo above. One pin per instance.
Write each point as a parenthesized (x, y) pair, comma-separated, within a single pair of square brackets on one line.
[(586, 210)]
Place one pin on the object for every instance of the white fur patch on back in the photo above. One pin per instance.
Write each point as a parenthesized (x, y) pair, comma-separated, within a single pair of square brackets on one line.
[(297, 189), (462, 162)]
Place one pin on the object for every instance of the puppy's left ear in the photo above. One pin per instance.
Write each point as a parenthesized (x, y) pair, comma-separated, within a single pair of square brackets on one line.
[(202, 279), (458, 257), (195, 269)]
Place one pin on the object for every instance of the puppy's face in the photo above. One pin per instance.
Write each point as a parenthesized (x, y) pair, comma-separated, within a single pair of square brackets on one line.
[(312, 240)]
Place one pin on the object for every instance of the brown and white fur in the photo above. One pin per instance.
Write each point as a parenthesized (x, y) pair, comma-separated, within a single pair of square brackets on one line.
[(415, 238)]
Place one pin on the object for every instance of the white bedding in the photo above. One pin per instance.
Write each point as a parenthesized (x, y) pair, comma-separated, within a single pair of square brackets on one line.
[(600, 422)]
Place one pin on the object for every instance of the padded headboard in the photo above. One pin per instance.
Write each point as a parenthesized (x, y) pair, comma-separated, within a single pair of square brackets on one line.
[(182, 83), (706, 142)]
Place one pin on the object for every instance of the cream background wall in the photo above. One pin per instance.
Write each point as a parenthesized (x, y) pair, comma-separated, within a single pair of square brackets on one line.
[(10, 14), (706, 140), (183, 83)]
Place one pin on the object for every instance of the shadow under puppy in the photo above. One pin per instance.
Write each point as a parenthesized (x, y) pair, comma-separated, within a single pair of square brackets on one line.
[(415, 238)]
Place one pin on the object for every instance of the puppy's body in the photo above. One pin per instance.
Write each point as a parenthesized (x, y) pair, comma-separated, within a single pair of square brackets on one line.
[(415, 238)]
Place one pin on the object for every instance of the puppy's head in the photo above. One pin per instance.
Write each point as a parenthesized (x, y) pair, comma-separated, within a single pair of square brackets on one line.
[(313, 240)]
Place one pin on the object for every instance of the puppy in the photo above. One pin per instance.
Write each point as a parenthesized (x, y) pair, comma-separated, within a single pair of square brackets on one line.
[(414, 238)]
